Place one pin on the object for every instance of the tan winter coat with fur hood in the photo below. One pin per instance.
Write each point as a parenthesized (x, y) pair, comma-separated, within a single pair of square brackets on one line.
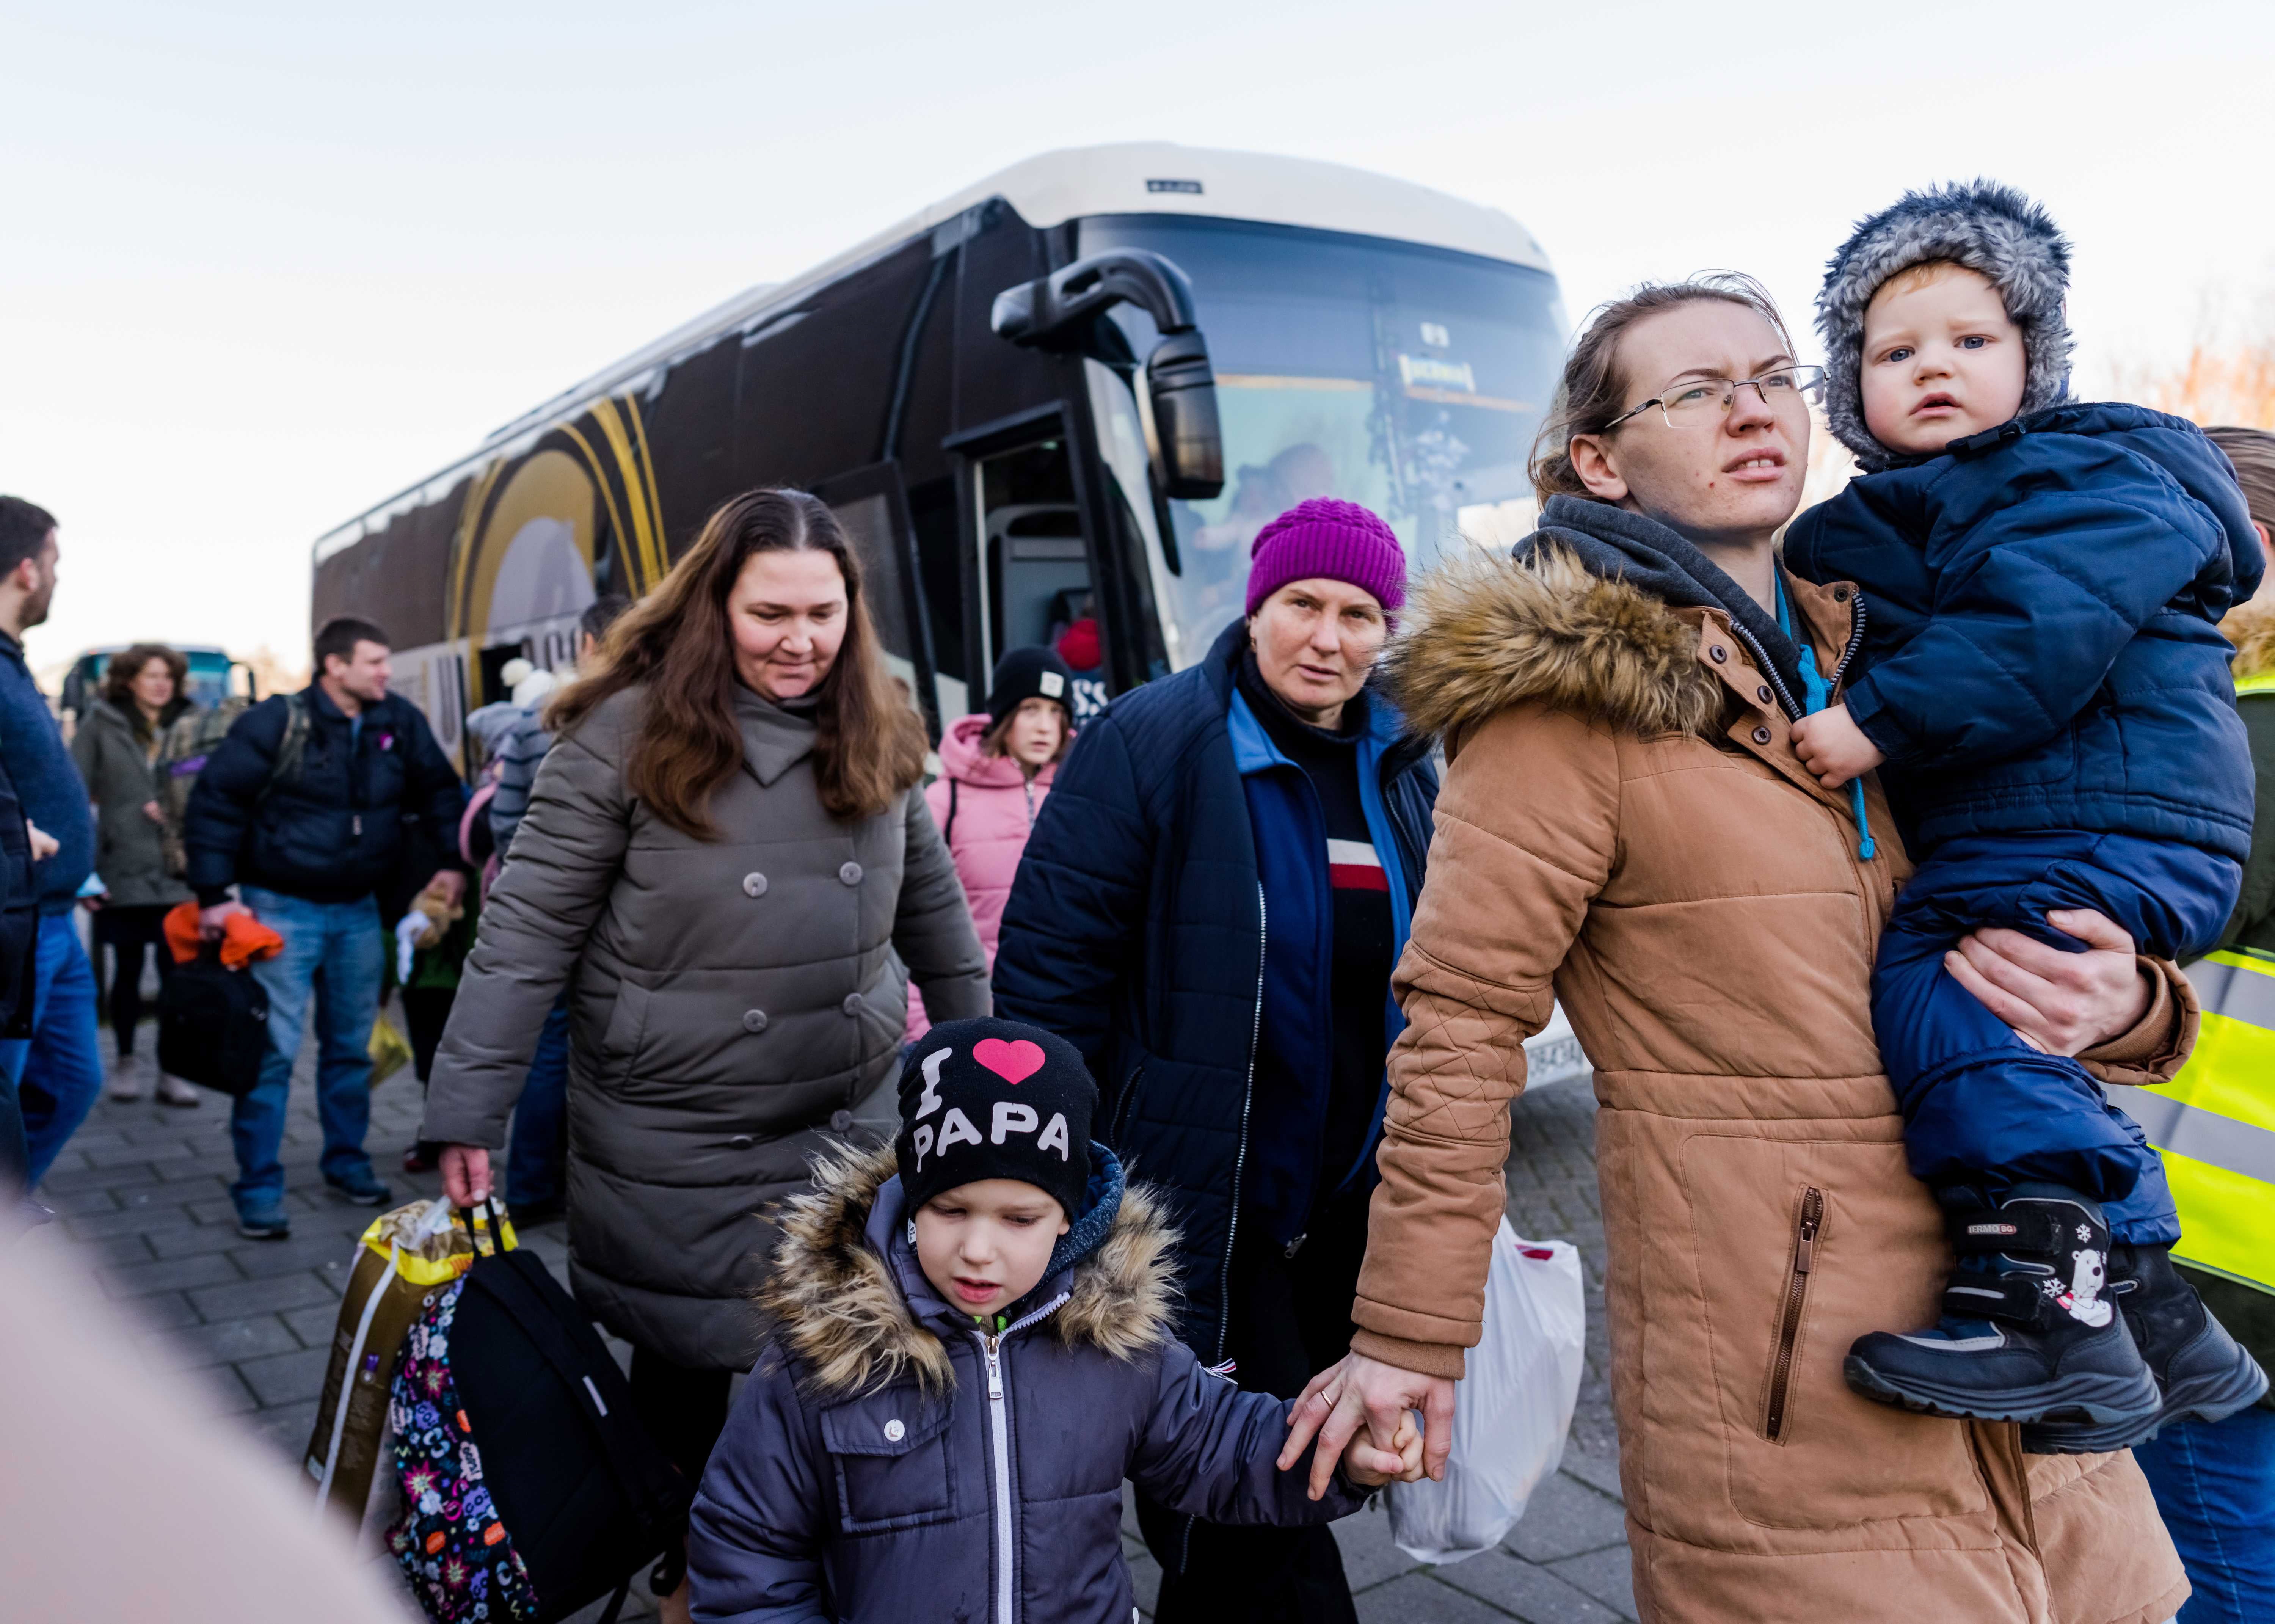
[(1624, 827)]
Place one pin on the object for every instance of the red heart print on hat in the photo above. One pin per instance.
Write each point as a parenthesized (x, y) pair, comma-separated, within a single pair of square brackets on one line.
[(1015, 1061)]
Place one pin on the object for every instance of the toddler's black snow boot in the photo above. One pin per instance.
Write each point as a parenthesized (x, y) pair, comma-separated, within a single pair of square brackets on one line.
[(2201, 1370), (2026, 1332)]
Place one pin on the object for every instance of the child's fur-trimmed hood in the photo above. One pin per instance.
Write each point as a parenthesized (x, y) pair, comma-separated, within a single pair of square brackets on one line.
[(2252, 630), (840, 1309), (1485, 633)]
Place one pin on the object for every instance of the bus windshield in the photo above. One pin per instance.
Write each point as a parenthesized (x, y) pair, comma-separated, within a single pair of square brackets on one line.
[(1410, 379)]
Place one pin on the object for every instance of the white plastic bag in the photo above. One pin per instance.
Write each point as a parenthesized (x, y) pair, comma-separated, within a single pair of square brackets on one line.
[(1511, 1410)]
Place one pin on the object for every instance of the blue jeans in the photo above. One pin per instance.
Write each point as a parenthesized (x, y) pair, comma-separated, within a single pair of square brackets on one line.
[(58, 1071), (2215, 1486), (338, 952), (540, 1118), (1983, 1110)]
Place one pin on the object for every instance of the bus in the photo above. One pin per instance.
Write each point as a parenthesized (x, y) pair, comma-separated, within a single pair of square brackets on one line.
[(1053, 408)]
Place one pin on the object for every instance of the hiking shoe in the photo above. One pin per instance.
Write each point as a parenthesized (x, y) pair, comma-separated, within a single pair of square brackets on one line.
[(362, 1188), (2027, 1334), (268, 1224), (2200, 1371)]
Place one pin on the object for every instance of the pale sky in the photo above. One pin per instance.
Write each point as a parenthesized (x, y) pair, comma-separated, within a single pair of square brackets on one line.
[(259, 269)]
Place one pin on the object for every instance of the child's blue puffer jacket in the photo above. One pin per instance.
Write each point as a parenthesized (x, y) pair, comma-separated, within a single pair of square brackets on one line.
[(868, 1473), (2042, 648)]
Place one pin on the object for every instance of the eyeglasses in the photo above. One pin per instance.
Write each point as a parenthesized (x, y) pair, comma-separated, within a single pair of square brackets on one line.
[(1698, 400)]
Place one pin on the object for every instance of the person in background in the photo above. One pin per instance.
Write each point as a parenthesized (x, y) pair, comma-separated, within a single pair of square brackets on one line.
[(2215, 1481), (997, 767), (305, 808), (116, 750), (537, 1154), (1271, 782), (726, 863), (56, 1067), (19, 936)]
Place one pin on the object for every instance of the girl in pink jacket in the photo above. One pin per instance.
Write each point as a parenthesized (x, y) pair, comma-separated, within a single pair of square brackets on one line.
[(995, 769)]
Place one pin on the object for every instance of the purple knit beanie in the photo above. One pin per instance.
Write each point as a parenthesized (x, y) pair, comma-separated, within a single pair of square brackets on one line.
[(1340, 540)]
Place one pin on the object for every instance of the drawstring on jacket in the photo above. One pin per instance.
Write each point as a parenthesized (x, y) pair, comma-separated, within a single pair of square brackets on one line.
[(1815, 692)]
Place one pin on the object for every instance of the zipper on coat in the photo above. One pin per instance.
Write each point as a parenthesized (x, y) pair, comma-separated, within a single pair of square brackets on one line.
[(1855, 639), (1793, 713), (1797, 1296), (1239, 1162), (999, 1437), (998, 1440)]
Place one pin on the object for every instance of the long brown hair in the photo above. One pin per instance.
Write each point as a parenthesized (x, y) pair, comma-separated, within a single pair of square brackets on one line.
[(870, 745), (1594, 390), (126, 665)]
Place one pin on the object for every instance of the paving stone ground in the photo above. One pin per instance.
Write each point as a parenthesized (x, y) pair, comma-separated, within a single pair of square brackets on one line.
[(142, 1195)]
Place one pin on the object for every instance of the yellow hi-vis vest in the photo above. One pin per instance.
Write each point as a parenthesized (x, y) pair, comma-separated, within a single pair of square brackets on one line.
[(2214, 1123)]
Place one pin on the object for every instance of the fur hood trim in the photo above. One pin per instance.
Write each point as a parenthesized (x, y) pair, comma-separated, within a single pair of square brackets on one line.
[(840, 1310), (1485, 632), (1987, 228), (2252, 630)]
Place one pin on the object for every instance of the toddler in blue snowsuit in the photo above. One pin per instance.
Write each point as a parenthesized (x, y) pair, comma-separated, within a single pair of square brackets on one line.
[(2043, 687), (974, 1348)]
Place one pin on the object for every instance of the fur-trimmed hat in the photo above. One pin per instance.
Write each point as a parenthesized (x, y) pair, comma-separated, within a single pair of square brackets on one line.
[(1988, 228)]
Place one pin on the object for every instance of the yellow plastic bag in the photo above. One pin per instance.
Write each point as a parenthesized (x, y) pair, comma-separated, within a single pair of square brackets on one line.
[(389, 1050)]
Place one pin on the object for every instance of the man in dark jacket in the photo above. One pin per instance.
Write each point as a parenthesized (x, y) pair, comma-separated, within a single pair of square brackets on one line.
[(55, 1070), (305, 808), (1243, 1069), (20, 935)]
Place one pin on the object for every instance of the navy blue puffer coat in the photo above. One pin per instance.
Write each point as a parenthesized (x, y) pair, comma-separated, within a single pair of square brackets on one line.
[(1135, 931), (2043, 648), (332, 832), (884, 1463)]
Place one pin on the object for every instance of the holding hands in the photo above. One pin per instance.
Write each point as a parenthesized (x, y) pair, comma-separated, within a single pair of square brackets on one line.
[(1351, 1405), (1834, 748)]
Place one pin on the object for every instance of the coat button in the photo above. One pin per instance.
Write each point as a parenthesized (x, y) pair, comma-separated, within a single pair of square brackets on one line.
[(1761, 736), (1718, 654), (849, 872), (1763, 693), (742, 1142), (1840, 594), (852, 1004), (754, 1020), (754, 885), (894, 1431), (840, 1121)]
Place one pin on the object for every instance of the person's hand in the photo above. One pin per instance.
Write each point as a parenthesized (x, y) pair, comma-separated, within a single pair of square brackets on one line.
[(1371, 1467), (44, 845), (154, 813), (465, 1174), (1357, 1392), (2058, 1002), (215, 921), (1834, 748), (94, 904), (451, 883)]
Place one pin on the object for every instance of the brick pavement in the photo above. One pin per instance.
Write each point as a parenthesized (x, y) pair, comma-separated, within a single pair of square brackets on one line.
[(142, 1191)]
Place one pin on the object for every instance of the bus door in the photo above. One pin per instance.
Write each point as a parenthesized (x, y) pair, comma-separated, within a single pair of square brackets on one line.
[(872, 505), (1028, 566)]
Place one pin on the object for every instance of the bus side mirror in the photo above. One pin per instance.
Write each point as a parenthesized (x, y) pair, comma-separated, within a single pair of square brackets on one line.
[(1055, 311), (1188, 444)]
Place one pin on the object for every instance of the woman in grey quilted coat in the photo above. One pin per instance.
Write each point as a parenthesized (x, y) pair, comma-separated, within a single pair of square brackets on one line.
[(728, 859)]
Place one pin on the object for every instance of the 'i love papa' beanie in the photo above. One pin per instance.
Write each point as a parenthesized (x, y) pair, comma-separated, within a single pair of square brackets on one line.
[(995, 1099)]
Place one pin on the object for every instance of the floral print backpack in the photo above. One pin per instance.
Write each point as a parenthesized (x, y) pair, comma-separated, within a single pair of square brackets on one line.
[(529, 1487)]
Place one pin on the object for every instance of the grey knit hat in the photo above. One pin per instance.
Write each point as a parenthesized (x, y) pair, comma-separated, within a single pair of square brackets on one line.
[(1988, 228)]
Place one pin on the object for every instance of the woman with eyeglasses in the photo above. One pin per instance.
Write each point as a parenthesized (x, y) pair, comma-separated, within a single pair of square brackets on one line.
[(1624, 825)]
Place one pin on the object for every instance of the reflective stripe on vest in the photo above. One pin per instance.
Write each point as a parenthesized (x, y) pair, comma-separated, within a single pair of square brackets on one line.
[(2263, 682), (2215, 1123)]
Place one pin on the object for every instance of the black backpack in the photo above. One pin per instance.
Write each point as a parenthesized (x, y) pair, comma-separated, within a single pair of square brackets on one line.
[(213, 1023), (572, 1498)]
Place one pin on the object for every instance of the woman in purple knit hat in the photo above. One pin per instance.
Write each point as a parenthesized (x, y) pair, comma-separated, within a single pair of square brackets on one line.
[(1242, 1066)]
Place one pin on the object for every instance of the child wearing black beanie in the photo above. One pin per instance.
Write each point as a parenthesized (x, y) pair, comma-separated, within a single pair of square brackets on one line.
[(973, 1349)]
